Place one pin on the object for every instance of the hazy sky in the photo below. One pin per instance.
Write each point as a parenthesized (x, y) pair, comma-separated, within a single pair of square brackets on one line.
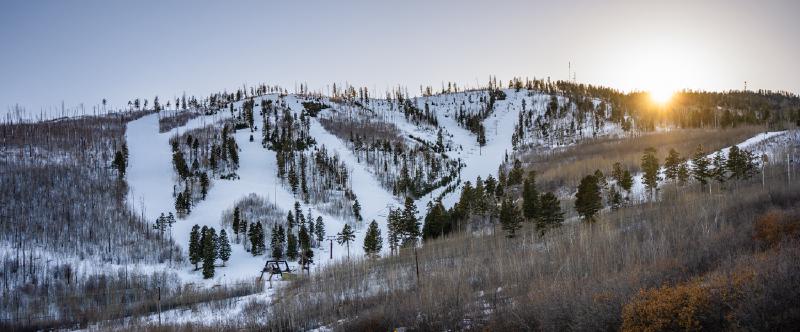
[(83, 51)]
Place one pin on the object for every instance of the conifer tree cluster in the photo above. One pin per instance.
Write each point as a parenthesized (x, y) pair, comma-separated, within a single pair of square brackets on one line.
[(206, 154), (403, 226), (205, 247)]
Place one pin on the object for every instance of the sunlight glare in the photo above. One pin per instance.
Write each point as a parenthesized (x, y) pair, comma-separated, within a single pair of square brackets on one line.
[(661, 96)]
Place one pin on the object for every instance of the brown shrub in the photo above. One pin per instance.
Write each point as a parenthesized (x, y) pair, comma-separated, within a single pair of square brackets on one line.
[(681, 307), (775, 226)]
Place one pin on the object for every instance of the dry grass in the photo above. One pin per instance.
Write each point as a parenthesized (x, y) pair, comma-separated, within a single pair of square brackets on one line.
[(565, 167), (576, 278)]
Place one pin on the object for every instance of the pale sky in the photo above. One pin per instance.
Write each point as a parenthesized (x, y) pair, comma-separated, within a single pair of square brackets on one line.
[(83, 51)]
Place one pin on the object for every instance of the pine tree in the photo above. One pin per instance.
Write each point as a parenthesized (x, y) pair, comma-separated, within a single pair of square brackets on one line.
[(345, 237), (291, 245), (236, 222), (233, 152), (290, 220), (436, 221), (550, 215), (411, 224), (439, 141), (195, 253), (223, 247), (617, 172), (209, 253), (481, 136), (741, 163), (719, 172), (319, 228), (515, 176), (373, 242), (650, 167), (204, 184), (252, 236), (394, 222), (683, 172), (119, 164), (530, 197), (276, 244), (305, 242), (615, 199), (587, 200), (510, 217), (259, 247), (357, 210), (700, 163), (160, 224), (671, 165), (293, 179), (627, 181)]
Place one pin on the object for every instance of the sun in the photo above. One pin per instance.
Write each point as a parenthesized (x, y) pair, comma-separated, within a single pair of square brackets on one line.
[(661, 96)]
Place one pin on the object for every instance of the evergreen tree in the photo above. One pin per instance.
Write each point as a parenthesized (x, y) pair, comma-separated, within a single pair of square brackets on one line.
[(204, 184), (510, 217), (209, 253), (515, 176), (439, 141), (373, 242), (319, 228), (601, 179), (411, 224), (160, 224), (119, 164), (671, 165), (223, 247), (345, 237), (650, 167), (530, 197), (481, 136), (290, 220), (276, 244), (233, 152), (587, 200), (357, 210), (719, 172), (236, 222), (627, 181), (195, 253), (259, 236), (615, 199), (291, 245), (617, 172), (683, 172), (700, 163), (550, 215), (305, 242), (741, 163), (436, 221), (298, 213), (243, 227), (293, 179), (394, 222)]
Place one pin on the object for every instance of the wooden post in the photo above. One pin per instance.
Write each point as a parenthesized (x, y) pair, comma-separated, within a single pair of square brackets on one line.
[(159, 306), (416, 262), (331, 253)]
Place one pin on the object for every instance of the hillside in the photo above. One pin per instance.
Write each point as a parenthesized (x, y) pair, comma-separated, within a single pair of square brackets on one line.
[(110, 206)]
